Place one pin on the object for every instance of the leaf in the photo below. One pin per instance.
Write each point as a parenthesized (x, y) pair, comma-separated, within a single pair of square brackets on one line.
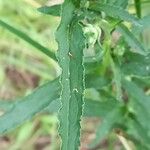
[(29, 106), (71, 44), (142, 82), (29, 40), (114, 11), (145, 21), (138, 134), (95, 81), (6, 105), (136, 65), (113, 117), (120, 3), (53, 107), (54, 10), (139, 103), (131, 40), (99, 109), (77, 45)]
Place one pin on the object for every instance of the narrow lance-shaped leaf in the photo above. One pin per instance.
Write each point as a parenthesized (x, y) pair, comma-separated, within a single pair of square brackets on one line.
[(71, 43), (99, 109), (6, 105), (145, 21), (54, 10), (120, 3), (140, 103), (28, 39), (29, 106), (62, 37), (114, 11), (112, 118), (136, 130), (131, 40), (76, 84), (136, 65)]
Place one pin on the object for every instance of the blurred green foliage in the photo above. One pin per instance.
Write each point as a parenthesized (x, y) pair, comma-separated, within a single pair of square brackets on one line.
[(16, 56)]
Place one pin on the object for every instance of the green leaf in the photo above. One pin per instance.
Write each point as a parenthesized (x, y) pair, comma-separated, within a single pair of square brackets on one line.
[(95, 81), (136, 65), (29, 106), (54, 10), (132, 41), (28, 39), (142, 82), (114, 11), (6, 105), (99, 109), (26, 108), (139, 104), (70, 40), (138, 134), (120, 3), (145, 22), (111, 119), (77, 45)]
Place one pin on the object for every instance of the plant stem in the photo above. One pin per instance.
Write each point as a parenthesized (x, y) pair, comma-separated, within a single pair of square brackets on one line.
[(137, 4), (124, 142)]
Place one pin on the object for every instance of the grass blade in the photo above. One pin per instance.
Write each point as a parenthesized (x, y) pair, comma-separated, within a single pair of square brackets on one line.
[(29, 40)]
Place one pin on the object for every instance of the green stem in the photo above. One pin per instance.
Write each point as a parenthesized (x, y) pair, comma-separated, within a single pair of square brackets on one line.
[(137, 4)]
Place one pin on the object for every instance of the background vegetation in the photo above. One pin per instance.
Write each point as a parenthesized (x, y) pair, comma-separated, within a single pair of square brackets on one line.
[(23, 68)]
